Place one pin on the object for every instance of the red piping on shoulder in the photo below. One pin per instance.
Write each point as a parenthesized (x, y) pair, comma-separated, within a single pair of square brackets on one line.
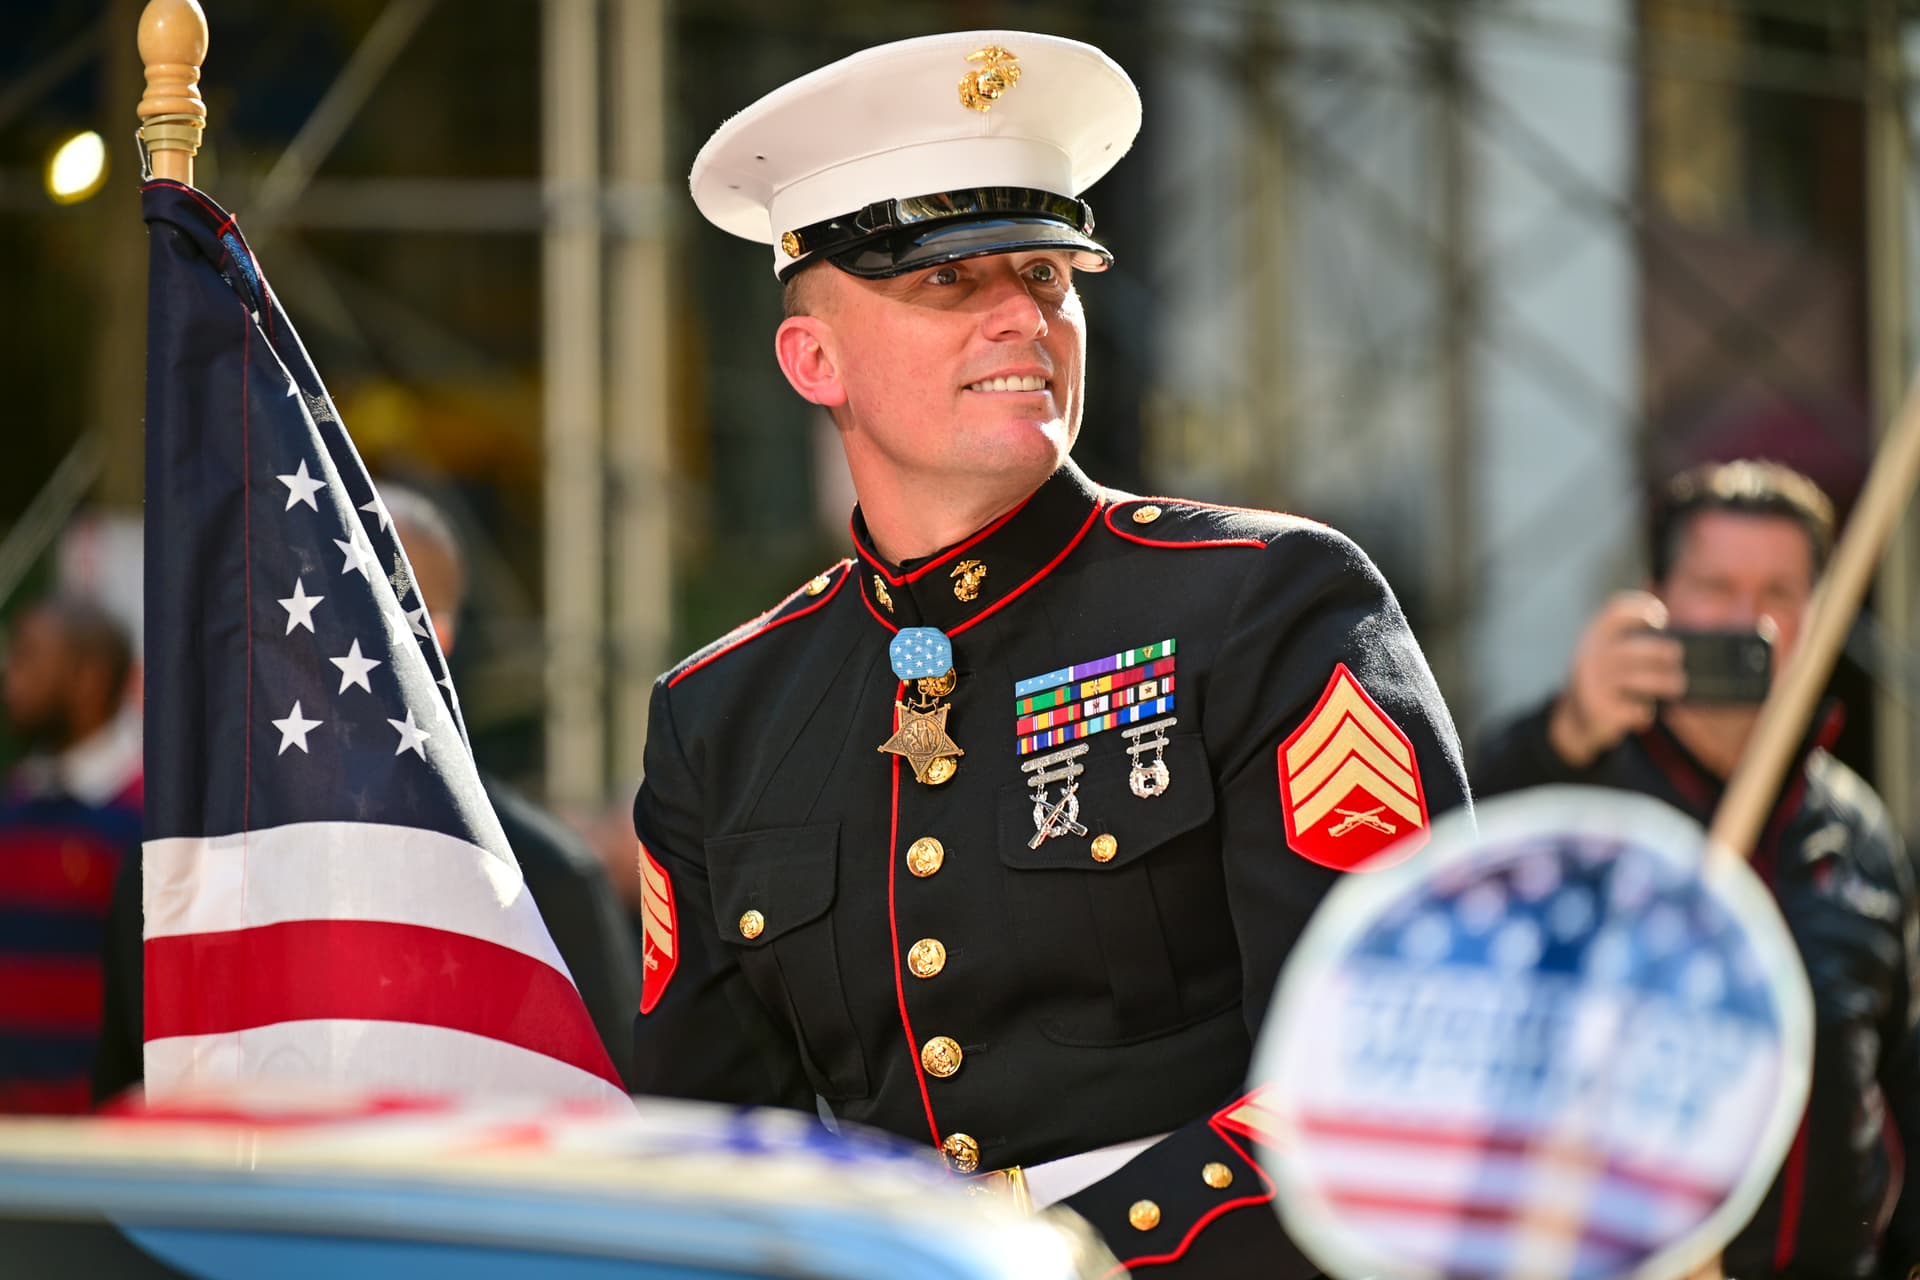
[(1117, 531), (1210, 1216), (821, 603)]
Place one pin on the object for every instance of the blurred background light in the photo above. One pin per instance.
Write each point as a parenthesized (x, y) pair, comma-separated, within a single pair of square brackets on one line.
[(78, 168)]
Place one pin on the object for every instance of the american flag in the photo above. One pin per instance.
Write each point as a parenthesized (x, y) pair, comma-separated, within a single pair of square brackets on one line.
[(329, 897), (1557, 1059)]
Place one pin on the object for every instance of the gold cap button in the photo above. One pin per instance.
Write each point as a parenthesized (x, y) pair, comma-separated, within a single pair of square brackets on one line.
[(941, 1056), (790, 244), (928, 957), (1146, 515), (1104, 847), (752, 924), (1144, 1215), (962, 1152), (816, 585), (1217, 1176), (925, 855)]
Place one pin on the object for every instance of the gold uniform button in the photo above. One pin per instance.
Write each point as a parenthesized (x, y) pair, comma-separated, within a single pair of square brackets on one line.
[(928, 957), (1144, 1215), (1217, 1176), (925, 855), (752, 924), (1104, 847), (817, 585), (962, 1152), (1146, 515), (941, 1056)]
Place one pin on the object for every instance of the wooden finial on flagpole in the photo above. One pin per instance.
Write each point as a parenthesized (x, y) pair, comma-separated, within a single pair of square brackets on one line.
[(173, 44)]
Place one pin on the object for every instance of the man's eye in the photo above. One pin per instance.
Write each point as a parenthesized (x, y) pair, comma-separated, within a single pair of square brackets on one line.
[(945, 275), (1044, 272)]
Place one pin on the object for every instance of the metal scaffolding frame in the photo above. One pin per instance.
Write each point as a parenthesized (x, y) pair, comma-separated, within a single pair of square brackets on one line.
[(599, 209)]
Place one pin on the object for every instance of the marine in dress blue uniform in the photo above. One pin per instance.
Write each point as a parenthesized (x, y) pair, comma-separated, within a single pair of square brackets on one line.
[(1001, 844)]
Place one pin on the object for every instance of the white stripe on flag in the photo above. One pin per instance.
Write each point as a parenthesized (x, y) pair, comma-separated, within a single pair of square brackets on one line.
[(340, 871), (401, 1057)]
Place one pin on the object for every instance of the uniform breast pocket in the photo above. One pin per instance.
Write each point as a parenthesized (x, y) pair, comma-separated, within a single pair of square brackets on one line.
[(772, 891), (1124, 930)]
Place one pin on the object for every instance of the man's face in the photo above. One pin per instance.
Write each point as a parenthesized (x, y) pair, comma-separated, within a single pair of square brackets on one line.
[(969, 369), (39, 672), (1733, 570)]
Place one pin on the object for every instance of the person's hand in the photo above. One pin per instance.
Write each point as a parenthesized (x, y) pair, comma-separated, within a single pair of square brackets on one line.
[(1620, 672)]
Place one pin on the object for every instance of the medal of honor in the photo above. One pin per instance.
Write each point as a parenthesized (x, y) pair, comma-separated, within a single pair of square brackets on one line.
[(923, 657)]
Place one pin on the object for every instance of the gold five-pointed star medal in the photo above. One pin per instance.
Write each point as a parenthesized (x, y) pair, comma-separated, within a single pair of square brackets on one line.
[(922, 739)]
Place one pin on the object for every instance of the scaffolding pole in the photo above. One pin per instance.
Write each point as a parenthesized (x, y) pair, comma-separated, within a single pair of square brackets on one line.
[(1889, 302), (640, 422), (573, 404)]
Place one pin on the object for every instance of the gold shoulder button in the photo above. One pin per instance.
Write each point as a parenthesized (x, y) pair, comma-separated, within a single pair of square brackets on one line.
[(816, 585), (1217, 1175), (1147, 514), (1144, 1215)]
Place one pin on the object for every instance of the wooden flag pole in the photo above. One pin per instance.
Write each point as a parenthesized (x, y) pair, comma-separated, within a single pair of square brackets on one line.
[(1783, 720), (173, 44)]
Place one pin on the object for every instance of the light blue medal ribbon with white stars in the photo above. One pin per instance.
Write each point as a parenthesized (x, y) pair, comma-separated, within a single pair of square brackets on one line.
[(923, 658)]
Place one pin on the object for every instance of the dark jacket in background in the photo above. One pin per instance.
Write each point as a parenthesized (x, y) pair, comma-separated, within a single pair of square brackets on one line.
[(1845, 886)]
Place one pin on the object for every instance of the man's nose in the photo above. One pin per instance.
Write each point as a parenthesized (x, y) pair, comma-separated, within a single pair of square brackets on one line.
[(1013, 312)]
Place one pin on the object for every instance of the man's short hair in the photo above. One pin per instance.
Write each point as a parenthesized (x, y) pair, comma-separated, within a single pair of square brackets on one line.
[(799, 295), (1747, 487)]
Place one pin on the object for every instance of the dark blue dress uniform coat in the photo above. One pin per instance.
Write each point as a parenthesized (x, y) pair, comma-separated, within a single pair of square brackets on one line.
[(1099, 988)]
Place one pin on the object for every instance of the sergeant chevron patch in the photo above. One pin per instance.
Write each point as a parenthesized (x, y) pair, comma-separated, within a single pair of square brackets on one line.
[(659, 927), (1349, 784)]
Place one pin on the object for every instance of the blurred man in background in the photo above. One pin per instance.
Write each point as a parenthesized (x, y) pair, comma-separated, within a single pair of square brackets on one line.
[(69, 820), (568, 883), (1738, 548)]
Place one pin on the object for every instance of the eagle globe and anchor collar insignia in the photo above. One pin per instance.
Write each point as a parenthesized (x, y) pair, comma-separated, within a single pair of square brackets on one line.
[(923, 657)]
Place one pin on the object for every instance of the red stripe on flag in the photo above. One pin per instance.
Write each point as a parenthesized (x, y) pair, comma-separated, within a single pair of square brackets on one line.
[(50, 995), (371, 970), (1492, 1142), (57, 869), (1379, 1203)]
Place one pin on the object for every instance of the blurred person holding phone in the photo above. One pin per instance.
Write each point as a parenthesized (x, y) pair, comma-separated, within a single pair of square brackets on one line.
[(1661, 697)]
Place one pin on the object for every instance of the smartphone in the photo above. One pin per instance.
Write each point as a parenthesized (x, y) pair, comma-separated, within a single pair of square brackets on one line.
[(1726, 666)]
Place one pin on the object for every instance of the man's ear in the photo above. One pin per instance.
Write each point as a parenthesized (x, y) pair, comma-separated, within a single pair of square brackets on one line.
[(804, 347)]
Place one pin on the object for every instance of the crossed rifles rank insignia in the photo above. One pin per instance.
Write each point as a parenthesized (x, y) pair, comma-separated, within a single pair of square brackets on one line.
[(1349, 784)]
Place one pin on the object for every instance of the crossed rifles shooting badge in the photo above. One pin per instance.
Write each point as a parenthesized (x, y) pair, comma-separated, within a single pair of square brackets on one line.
[(923, 657)]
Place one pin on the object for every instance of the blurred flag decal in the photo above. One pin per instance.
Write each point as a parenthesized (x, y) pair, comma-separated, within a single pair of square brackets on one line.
[(329, 897)]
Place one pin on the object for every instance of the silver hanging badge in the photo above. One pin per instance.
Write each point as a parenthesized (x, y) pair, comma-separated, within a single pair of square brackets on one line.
[(1149, 778), (1055, 817)]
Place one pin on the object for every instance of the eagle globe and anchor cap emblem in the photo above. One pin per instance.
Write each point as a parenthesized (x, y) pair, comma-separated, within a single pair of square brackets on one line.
[(986, 84)]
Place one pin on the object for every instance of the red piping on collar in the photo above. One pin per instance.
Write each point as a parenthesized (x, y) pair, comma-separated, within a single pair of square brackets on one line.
[(821, 603), (1206, 1219), (1205, 542), (891, 626), (931, 565), (893, 931), (1004, 600)]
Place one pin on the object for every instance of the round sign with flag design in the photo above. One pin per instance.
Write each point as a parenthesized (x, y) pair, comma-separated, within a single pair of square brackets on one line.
[(1568, 1043)]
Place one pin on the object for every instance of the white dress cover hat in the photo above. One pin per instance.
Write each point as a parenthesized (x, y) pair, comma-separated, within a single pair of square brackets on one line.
[(924, 151)]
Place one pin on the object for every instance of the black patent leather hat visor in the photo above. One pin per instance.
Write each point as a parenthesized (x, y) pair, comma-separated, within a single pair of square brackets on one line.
[(904, 249)]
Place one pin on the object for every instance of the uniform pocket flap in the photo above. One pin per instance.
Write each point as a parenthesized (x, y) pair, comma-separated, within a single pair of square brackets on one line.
[(768, 882), (1120, 825)]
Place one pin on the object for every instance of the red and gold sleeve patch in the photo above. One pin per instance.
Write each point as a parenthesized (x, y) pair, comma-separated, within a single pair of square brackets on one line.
[(659, 931), (1349, 783)]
